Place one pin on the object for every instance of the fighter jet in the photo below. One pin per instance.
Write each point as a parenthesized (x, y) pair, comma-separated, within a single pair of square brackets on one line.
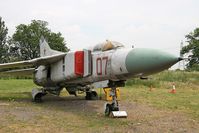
[(76, 71)]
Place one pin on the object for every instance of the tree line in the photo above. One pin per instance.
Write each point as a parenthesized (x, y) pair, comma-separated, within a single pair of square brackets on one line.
[(192, 50), (24, 43)]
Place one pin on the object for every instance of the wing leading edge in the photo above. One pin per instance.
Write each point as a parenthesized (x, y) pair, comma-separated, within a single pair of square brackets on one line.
[(21, 72), (48, 56), (34, 62)]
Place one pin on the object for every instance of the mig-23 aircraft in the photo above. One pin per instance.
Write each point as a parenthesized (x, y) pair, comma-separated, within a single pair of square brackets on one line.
[(78, 71)]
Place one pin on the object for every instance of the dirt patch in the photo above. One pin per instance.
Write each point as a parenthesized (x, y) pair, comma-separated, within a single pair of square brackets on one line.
[(149, 119), (74, 114)]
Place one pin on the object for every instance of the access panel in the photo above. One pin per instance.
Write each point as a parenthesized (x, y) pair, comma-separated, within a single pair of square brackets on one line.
[(79, 63)]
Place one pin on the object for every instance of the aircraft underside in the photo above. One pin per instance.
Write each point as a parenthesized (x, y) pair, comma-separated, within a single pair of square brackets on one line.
[(37, 94)]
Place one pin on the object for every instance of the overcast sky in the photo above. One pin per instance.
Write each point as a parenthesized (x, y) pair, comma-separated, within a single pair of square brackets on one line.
[(160, 24)]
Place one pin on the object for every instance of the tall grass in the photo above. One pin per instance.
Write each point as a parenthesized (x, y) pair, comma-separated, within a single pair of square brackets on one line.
[(166, 76), (143, 82), (185, 100)]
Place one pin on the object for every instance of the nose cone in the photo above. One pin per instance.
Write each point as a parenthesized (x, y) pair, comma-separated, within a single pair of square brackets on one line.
[(148, 61)]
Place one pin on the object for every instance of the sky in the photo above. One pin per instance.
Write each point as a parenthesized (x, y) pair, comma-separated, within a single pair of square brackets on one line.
[(160, 24)]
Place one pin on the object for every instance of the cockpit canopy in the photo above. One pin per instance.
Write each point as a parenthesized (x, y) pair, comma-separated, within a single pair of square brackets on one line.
[(108, 45)]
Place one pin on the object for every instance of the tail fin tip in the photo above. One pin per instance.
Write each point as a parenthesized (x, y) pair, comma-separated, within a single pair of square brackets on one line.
[(44, 47)]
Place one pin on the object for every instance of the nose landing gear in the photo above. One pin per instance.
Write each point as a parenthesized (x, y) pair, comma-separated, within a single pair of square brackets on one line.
[(113, 108)]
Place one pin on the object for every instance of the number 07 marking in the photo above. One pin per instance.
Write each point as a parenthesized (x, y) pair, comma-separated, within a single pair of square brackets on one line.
[(99, 63)]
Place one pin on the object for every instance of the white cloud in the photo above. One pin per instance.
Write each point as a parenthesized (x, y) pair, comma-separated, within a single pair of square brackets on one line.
[(154, 23)]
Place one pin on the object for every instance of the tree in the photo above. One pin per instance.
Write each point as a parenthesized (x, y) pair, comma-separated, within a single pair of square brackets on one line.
[(193, 49), (3, 38), (25, 41)]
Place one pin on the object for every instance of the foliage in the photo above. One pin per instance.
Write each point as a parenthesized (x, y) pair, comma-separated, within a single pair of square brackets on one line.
[(193, 48), (3, 38), (24, 43)]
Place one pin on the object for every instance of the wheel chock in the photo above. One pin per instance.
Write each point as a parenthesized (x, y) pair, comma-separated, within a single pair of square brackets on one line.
[(118, 114)]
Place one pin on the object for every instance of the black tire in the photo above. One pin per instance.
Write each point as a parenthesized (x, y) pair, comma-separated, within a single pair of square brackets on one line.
[(94, 95), (108, 109), (38, 98), (91, 95), (88, 96)]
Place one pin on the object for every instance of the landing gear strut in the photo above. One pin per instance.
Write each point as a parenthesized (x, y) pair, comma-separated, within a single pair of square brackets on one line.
[(113, 108), (37, 95)]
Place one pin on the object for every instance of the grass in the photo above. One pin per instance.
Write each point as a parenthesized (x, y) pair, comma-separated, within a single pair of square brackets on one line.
[(16, 85), (185, 100), (15, 88), (71, 116)]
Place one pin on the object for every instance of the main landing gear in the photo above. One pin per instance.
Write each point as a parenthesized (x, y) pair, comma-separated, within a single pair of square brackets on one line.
[(91, 95), (113, 108), (37, 95)]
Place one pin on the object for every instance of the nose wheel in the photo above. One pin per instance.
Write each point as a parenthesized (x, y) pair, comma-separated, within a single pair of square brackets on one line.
[(112, 109), (109, 108)]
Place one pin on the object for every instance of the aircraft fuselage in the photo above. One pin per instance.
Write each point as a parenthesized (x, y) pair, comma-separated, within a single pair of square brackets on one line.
[(86, 67)]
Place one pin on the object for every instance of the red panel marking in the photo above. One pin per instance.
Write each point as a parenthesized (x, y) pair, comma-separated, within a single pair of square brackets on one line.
[(79, 63)]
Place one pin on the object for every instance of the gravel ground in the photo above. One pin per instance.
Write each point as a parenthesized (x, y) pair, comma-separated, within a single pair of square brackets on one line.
[(74, 114)]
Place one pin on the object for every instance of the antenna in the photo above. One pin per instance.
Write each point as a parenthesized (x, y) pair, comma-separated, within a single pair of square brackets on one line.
[(181, 64)]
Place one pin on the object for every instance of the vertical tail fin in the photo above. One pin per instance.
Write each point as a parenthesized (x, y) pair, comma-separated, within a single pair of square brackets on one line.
[(45, 49)]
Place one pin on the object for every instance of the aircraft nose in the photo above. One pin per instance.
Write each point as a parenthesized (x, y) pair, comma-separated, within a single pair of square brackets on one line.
[(148, 61)]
